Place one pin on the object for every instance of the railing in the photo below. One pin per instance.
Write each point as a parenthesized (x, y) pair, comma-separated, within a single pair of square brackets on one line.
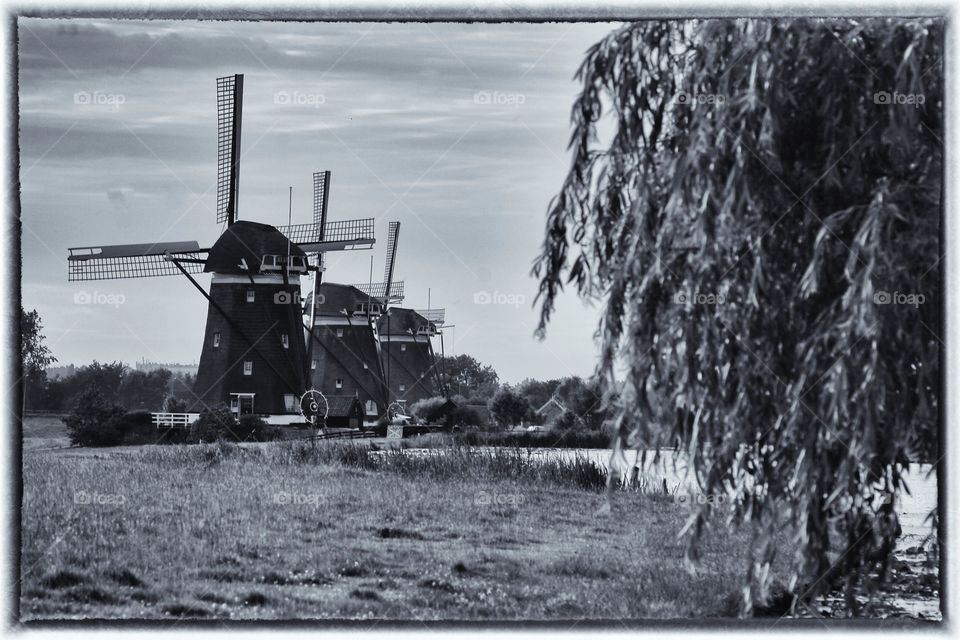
[(174, 420)]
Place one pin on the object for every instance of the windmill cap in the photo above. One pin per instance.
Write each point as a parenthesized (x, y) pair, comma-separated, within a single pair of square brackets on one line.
[(333, 298), (248, 242), (402, 321)]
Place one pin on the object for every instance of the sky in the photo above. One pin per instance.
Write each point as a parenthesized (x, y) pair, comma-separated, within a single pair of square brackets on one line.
[(458, 131)]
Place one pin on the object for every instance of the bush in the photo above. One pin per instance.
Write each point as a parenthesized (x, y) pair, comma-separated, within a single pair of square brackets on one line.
[(429, 409), (251, 428), (94, 422), (174, 404), (136, 427), (568, 420), (214, 424), (464, 417)]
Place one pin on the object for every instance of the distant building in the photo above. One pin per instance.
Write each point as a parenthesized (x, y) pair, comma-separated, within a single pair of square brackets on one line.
[(551, 411), (173, 367), (344, 412), (55, 373)]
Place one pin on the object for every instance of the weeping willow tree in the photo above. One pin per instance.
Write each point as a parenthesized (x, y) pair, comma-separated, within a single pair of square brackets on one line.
[(763, 204)]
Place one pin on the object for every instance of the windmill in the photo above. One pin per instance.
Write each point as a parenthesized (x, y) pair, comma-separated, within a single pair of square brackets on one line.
[(346, 360), (404, 339), (435, 324), (253, 354)]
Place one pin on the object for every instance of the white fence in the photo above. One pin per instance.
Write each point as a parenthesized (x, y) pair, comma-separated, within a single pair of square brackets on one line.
[(174, 420)]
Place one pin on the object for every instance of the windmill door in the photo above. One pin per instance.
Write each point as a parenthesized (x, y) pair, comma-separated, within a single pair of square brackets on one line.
[(241, 403)]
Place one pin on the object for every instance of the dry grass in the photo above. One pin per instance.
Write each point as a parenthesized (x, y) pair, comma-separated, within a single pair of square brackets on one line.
[(285, 531)]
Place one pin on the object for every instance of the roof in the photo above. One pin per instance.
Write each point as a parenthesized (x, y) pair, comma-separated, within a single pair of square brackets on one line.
[(343, 406), (333, 298), (554, 402), (248, 241), (401, 322)]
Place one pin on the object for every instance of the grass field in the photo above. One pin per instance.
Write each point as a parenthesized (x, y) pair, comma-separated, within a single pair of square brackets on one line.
[(280, 531)]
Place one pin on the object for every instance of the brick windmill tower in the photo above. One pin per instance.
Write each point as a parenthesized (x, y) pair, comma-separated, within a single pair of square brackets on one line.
[(253, 356)]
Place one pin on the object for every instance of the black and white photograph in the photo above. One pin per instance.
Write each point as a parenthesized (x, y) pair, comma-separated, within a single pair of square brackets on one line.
[(474, 318)]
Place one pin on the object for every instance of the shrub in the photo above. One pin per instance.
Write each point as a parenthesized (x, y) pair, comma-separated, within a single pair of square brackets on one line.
[(136, 427), (251, 428), (214, 424), (94, 421), (568, 420), (174, 404), (429, 409), (464, 417)]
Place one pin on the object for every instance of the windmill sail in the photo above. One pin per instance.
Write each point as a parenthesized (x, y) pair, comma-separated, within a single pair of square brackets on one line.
[(436, 316), (321, 198), (388, 290), (336, 236), (229, 111), (379, 290), (392, 236), (114, 262)]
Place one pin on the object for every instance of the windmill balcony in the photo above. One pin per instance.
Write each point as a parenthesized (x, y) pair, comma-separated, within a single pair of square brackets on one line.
[(297, 264)]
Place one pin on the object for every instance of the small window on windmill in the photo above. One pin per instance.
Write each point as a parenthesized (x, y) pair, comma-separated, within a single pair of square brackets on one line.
[(290, 402), (359, 310), (371, 407), (376, 310), (298, 264), (251, 296), (366, 366), (248, 367), (216, 340), (339, 332), (403, 387), (286, 341), (339, 383), (313, 363), (403, 347)]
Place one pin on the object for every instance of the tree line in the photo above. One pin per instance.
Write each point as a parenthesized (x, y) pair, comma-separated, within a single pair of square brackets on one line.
[(469, 383), (115, 382)]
